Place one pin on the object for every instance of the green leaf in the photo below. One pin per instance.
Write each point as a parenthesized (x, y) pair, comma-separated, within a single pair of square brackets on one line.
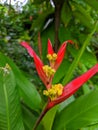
[(83, 19), (27, 89), (92, 127), (64, 34), (66, 13), (49, 118), (28, 118), (83, 15), (93, 3), (66, 103), (81, 113), (39, 22), (78, 57), (10, 112), (62, 70), (88, 58)]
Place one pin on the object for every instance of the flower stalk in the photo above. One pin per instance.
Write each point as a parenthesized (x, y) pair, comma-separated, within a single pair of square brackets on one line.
[(40, 117)]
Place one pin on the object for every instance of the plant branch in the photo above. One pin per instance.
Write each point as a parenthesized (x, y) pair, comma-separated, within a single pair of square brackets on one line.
[(58, 7)]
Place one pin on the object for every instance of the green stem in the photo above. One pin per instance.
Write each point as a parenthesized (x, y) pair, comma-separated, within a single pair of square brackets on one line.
[(77, 59)]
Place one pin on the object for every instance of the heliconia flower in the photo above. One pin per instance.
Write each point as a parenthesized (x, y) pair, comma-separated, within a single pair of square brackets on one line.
[(47, 72), (56, 59), (56, 93), (73, 86)]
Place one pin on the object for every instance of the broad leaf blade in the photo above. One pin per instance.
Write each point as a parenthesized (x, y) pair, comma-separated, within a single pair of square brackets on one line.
[(39, 22), (10, 112), (28, 118), (88, 58), (79, 114), (92, 127), (66, 13), (93, 3), (83, 15), (78, 57), (27, 89)]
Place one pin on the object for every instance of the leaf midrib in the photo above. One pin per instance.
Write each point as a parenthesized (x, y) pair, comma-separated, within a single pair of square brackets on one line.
[(7, 107)]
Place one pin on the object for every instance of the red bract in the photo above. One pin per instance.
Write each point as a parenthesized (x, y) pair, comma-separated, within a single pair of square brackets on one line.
[(60, 54), (28, 47), (39, 67), (50, 48), (38, 63), (73, 86)]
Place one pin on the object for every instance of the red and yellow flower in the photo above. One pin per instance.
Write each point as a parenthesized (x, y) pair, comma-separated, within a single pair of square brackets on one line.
[(57, 93), (46, 72)]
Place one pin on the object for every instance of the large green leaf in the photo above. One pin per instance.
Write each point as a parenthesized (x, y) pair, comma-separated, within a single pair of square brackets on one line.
[(10, 112), (28, 118), (64, 34), (49, 118), (93, 3), (83, 19), (82, 112), (40, 21), (78, 57), (83, 15), (66, 103), (66, 13), (27, 89), (88, 58), (92, 127)]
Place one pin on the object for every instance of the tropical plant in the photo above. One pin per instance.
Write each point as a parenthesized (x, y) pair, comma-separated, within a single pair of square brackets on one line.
[(24, 102)]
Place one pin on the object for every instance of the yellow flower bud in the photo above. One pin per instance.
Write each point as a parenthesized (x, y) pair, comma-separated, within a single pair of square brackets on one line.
[(54, 92), (45, 92), (48, 70), (52, 57), (49, 56)]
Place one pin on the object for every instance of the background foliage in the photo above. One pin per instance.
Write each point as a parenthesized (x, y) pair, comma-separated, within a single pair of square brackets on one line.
[(21, 91)]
